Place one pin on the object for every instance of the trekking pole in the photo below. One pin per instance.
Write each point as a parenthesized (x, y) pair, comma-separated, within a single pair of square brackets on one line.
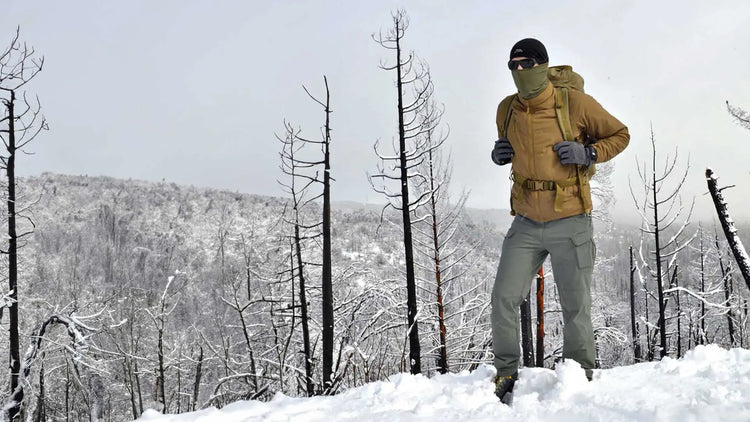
[(540, 318)]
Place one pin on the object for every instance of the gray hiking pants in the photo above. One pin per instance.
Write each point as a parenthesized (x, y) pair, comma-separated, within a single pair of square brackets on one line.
[(569, 242)]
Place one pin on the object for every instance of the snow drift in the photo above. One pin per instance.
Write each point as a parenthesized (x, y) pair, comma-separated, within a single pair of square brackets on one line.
[(708, 384)]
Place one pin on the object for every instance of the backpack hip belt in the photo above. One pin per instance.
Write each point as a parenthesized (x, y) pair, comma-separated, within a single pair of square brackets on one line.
[(555, 185)]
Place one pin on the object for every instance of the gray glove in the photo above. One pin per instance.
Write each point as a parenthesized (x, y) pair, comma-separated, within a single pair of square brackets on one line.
[(502, 152), (575, 153)]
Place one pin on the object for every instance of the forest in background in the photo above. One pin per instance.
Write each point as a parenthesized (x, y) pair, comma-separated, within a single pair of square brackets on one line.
[(180, 299)]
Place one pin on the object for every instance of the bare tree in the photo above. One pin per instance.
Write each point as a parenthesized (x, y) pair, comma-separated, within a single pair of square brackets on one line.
[(79, 334), (439, 227), (327, 274), (527, 338), (18, 66), (413, 91), (307, 171), (739, 251), (726, 278), (291, 165), (658, 222), (159, 317), (739, 115), (442, 252), (676, 285), (701, 338), (635, 333)]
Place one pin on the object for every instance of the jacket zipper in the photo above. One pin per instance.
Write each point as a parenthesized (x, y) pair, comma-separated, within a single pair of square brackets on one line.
[(530, 125)]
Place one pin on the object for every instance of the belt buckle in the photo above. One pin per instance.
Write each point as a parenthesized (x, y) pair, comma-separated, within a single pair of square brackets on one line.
[(538, 185)]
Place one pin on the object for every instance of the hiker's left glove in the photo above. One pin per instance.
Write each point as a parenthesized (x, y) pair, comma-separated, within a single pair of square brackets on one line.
[(575, 153)]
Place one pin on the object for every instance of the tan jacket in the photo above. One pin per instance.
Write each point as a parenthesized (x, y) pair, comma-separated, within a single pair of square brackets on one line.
[(533, 130)]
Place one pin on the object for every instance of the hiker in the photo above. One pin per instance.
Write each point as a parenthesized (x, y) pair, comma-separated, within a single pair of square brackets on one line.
[(552, 134)]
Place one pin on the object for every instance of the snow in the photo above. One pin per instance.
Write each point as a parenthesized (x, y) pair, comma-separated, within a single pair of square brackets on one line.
[(741, 256), (708, 384)]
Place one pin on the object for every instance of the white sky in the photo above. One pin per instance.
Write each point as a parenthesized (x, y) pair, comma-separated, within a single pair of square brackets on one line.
[(192, 91)]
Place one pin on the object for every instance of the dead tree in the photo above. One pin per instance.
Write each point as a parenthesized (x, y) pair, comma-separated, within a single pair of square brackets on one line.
[(726, 278), (676, 285), (702, 334), (438, 240), (307, 171), (437, 175), (79, 334), (18, 66), (292, 167), (727, 224), (242, 309), (413, 91), (197, 383), (527, 339), (159, 318), (657, 222), (327, 274), (739, 115), (637, 357)]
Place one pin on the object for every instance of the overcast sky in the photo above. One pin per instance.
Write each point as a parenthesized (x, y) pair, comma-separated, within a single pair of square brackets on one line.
[(192, 92)]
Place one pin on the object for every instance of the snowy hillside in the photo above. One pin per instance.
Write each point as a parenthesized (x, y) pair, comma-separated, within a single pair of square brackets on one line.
[(187, 296), (708, 384)]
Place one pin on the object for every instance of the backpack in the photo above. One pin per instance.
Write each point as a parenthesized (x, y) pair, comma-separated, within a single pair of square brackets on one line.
[(563, 78)]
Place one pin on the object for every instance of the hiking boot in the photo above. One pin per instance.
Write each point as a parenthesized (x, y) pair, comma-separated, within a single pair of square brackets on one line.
[(504, 385)]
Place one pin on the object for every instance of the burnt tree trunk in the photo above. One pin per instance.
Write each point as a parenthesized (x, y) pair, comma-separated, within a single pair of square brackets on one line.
[(659, 286), (649, 342), (161, 378), (443, 358), (303, 309), (15, 350), (442, 362), (637, 356), (291, 165), (739, 251), (702, 334), (411, 286), (197, 383), (726, 282), (527, 340), (40, 413), (679, 313), (409, 153), (17, 67), (327, 282)]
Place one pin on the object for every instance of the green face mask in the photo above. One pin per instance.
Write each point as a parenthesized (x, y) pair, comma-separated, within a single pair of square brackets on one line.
[(531, 82)]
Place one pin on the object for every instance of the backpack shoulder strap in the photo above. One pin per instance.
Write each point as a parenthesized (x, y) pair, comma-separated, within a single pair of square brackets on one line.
[(504, 111), (562, 111), (583, 174)]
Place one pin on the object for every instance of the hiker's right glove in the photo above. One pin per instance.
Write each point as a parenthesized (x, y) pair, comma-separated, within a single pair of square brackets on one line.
[(503, 152), (575, 153)]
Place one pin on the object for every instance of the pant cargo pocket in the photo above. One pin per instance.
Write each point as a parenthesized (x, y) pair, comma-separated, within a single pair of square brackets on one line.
[(585, 249)]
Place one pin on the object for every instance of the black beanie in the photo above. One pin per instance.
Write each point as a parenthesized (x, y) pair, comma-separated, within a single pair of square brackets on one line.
[(531, 48)]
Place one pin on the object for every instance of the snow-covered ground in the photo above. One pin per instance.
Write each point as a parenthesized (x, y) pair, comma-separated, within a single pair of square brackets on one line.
[(708, 384)]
